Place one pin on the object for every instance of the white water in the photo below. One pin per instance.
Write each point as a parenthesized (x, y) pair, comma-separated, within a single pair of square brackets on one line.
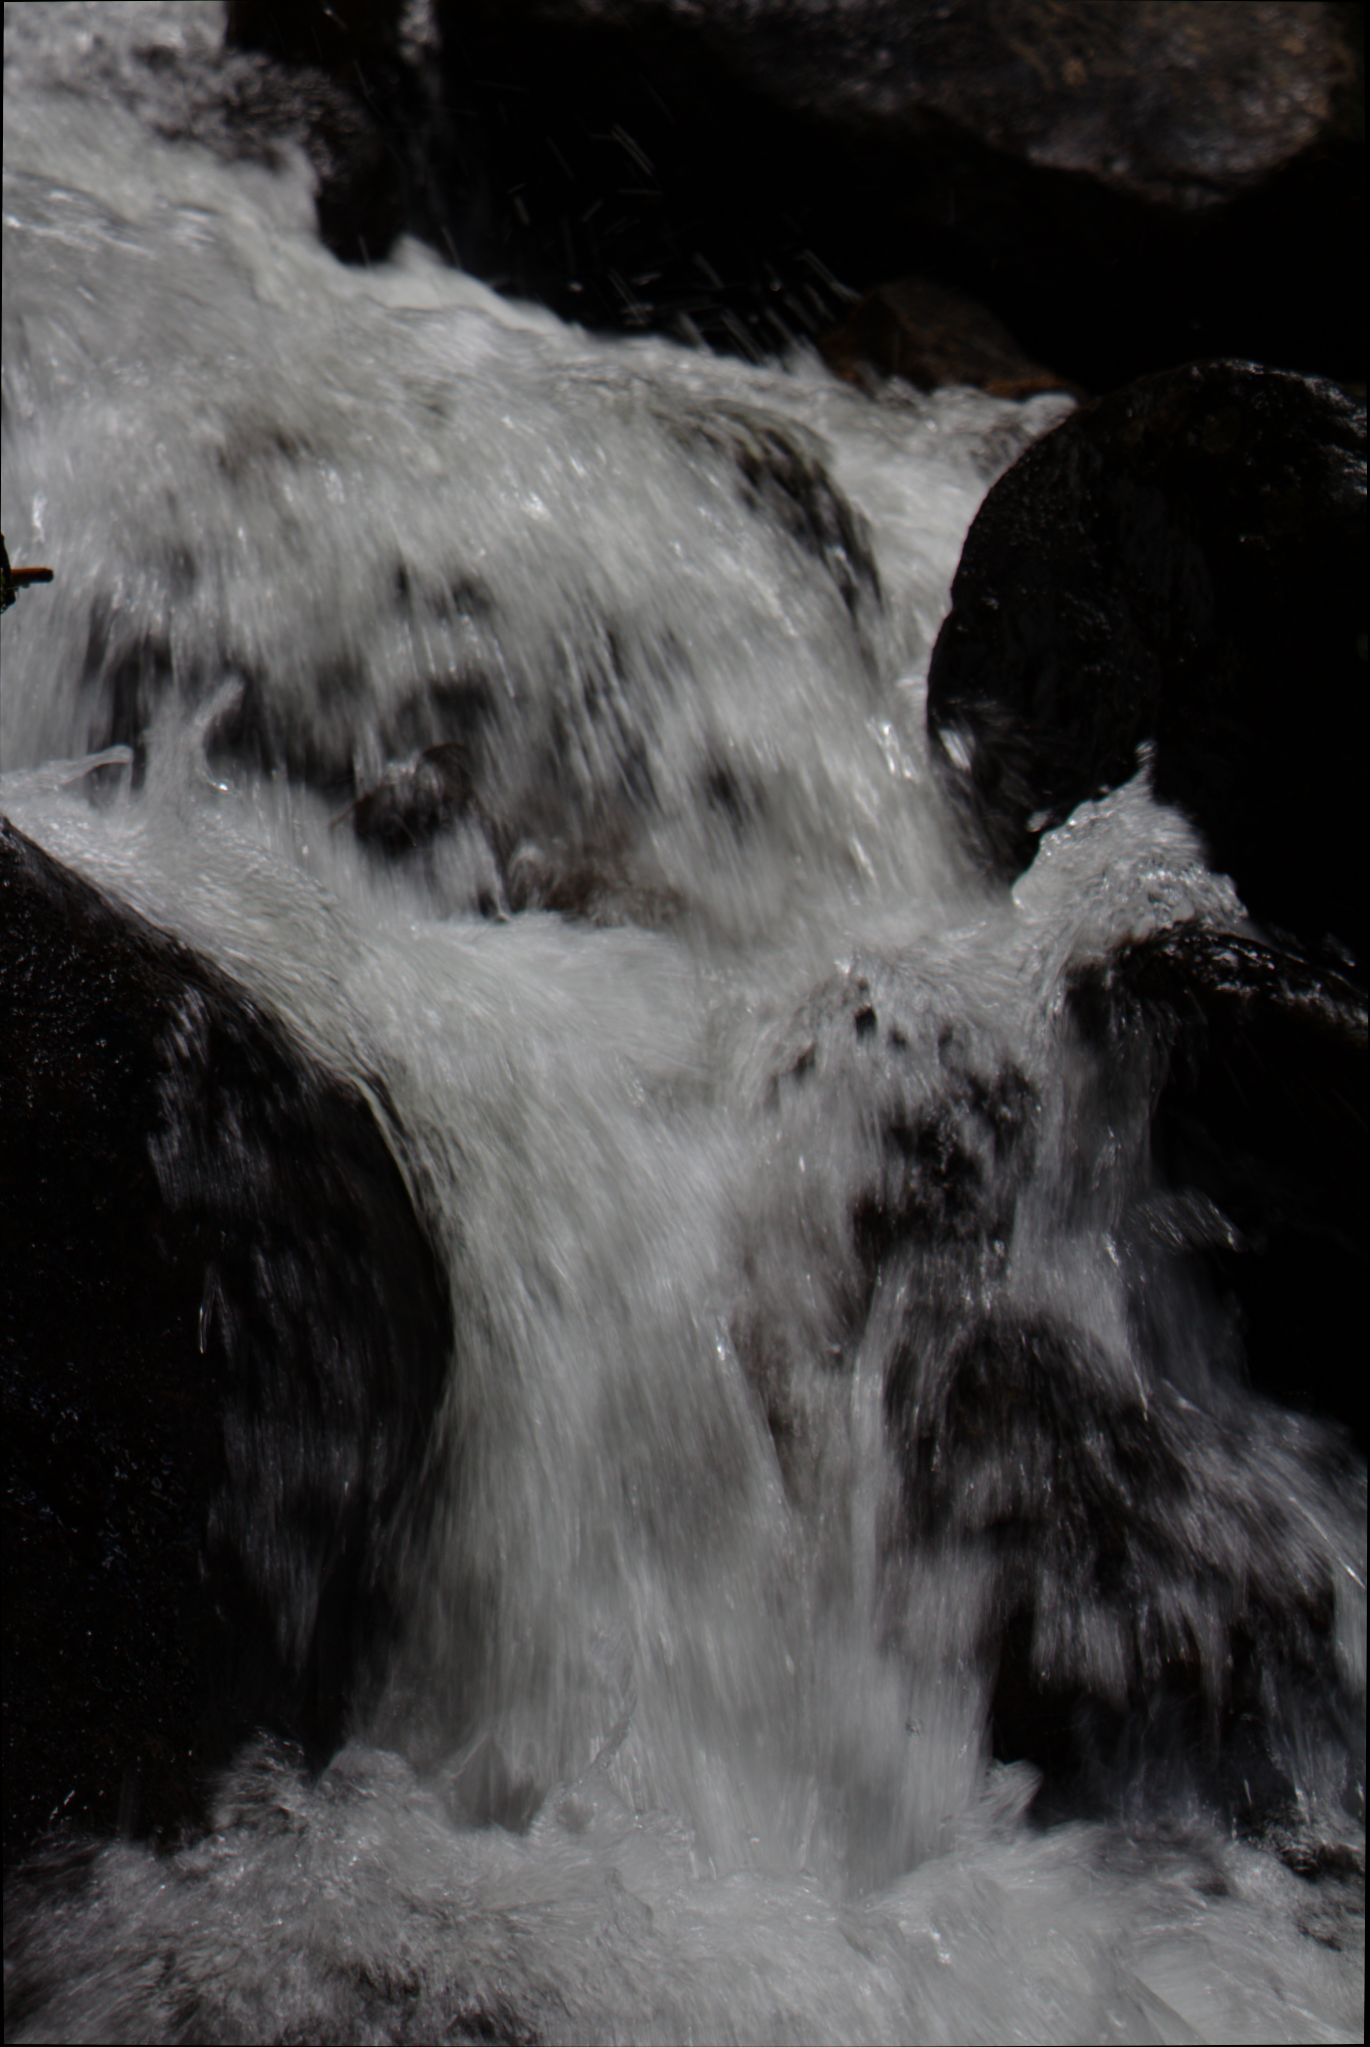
[(748, 1722)]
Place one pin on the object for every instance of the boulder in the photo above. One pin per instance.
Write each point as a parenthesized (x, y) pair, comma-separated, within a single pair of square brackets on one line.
[(226, 1333), (1247, 89), (415, 799), (1178, 566)]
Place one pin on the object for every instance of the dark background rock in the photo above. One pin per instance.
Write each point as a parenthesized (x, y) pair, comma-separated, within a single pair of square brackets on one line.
[(340, 37), (1125, 187), (1182, 564), (1260, 1105), (224, 1332), (1238, 88), (930, 335), (343, 91)]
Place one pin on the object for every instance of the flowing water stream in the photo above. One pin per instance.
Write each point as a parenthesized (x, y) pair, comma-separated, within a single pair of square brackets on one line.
[(686, 1736)]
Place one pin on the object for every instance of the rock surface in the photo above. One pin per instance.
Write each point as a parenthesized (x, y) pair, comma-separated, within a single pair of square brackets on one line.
[(225, 1335), (1179, 565)]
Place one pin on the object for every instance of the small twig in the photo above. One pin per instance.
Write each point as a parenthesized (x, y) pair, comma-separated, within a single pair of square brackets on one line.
[(12, 581)]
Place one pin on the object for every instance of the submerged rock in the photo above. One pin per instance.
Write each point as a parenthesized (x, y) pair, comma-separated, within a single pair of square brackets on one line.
[(227, 1333), (1160, 1606), (1260, 1108), (902, 1137), (414, 799), (1178, 566), (1062, 1280), (781, 480)]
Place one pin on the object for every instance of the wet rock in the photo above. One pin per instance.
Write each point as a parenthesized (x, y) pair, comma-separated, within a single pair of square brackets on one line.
[(1178, 565), (942, 1115), (359, 192), (415, 799), (902, 1139), (1157, 1606), (929, 335), (226, 1332), (1260, 1107), (953, 1161), (340, 66)]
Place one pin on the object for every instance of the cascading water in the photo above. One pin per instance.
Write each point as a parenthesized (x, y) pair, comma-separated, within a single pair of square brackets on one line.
[(534, 724)]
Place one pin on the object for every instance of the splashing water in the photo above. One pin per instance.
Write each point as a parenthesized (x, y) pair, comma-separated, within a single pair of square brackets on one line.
[(536, 723)]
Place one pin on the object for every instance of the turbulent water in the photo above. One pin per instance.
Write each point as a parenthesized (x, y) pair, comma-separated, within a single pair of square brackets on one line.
[(687, 1734)]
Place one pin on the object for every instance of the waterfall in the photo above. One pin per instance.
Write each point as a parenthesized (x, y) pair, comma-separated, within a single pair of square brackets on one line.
[(532, 724)]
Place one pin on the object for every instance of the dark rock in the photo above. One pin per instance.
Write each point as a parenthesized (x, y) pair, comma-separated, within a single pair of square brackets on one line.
[(1154, 1606), (359, 195), (952, 1162), (226, 1332), (953, 1117), (1247, 88), (340, 67), (1126, 186), (333, 81), (415, 799), (1180, 564), (629, 181), (1260, 1106), (929, 336), (338, 36)]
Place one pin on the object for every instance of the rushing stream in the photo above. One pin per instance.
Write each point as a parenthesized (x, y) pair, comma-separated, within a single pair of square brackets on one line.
[(686, 1733)]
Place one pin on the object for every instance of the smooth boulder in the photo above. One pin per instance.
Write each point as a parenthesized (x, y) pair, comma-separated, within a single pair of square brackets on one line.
[(1177, 567)]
